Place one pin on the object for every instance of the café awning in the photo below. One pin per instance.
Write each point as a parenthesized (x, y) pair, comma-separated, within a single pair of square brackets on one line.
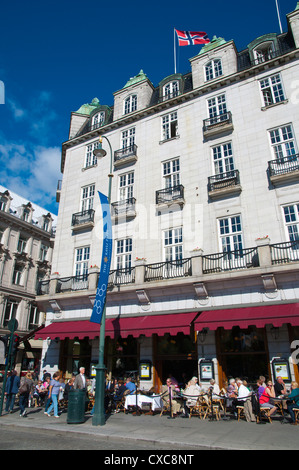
[(260, 316), (114, 327)]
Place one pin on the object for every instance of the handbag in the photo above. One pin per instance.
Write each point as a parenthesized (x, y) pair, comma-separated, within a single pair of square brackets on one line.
[(24, 388)]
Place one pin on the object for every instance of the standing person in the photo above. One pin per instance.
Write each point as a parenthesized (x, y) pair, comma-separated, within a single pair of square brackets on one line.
[(80, 380), (53, 394), (11, 389), (26, 384)]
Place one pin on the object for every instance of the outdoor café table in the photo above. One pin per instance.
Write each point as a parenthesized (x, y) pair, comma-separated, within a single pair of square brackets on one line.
[(155, 401), (280, 402)]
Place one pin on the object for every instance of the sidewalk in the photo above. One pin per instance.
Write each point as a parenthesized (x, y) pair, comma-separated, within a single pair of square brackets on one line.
[(231, 434)]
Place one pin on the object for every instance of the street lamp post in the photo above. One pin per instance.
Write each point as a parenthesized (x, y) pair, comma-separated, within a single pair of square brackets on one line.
[(98, 418)]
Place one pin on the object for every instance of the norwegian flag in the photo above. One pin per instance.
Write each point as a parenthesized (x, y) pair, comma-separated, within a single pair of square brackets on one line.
[(191, 38)]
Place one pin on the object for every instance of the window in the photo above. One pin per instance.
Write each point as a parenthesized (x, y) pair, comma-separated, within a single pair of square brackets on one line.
[(33, 317), (90, 158), (128, 138), (263, 52), (272, 91), (171, 173), (231, 238), (43, 252), (98, 120), (126, 184), (291, 216), (26, 214), (3, 202), (130, 104), (169, 126), (81, 261), (17, 275), (10, 311), (22, 245), (223, 158), (213, 69), (283, 142), (173, 244), (87, 197), (123, 253), (217, 107), (170, 90)]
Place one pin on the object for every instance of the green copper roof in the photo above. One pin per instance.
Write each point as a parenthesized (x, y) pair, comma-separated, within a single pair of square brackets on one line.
[(297, 7), (88, 108), (212, 45), (138, 78)]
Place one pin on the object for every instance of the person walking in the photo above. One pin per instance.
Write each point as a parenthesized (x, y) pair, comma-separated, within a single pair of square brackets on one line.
[(26, 384), (11, 389), (54, 390)]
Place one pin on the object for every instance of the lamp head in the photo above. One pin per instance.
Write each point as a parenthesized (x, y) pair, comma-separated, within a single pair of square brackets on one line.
[(99, 152)]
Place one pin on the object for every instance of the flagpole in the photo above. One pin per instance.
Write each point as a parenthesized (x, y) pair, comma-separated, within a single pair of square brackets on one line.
[(278, 14), (174, 49)]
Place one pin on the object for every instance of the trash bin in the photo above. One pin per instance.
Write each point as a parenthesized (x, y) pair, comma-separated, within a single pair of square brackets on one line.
[(76, 406)]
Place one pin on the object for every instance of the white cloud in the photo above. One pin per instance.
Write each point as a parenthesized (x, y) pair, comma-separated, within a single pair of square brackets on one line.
[(31, 172)]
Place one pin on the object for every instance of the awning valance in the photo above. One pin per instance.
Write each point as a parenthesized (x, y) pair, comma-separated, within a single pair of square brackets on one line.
[(260, 316), (114, 327)]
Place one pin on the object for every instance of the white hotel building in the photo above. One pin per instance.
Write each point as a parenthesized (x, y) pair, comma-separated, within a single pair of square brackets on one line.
[(205, 214)]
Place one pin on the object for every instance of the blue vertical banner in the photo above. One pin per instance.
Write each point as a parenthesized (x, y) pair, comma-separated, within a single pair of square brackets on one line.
[(100, 299)]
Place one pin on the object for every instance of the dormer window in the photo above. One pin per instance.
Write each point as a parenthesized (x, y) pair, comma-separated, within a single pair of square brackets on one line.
[(213, 69), (98, 120), (171, 90), (263, 52), (130, 104)]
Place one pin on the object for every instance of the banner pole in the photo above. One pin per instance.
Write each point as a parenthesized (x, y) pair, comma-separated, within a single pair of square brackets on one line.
[(174, 49)]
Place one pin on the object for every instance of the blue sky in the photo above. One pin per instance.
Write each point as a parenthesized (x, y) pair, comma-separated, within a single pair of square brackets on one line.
[(56, 56)]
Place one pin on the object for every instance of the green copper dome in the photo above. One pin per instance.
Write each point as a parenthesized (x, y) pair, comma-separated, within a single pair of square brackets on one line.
[(88, 108), (138, 78)]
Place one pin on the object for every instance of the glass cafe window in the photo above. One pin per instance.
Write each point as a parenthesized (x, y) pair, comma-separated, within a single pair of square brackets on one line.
[(240, 340)]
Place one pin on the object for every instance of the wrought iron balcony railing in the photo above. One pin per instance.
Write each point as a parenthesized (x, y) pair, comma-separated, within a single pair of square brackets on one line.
[(169, 195), (125, 153), (168, 269), (230, 260), (223, 180), (72, 283), (125, 207), (282, 166), (286, 252), (83, 217), (219, 120)]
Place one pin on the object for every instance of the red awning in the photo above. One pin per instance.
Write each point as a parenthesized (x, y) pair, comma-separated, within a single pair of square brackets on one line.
[(135, 326), (275, 315)]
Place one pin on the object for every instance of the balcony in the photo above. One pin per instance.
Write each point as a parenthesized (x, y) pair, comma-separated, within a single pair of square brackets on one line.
[(222, 123), (284, 170), (84, 219), (169, 196), (125, 155), (124, 209), (168, 270), (252, 262), (230, 260), (224, 184), (72, 283)]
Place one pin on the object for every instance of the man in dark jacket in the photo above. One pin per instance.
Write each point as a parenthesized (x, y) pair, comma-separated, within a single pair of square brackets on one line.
[(11, 389)]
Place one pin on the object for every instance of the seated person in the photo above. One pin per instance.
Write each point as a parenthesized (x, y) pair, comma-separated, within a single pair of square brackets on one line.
[(119, 392), (168, 393), (215, 389), (191, 393), (266, 396), (279, 387), (294, 397), (130, 385)]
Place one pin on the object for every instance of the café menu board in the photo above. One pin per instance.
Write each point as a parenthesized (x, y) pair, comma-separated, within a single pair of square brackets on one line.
[(281, 369), (206, 370)]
